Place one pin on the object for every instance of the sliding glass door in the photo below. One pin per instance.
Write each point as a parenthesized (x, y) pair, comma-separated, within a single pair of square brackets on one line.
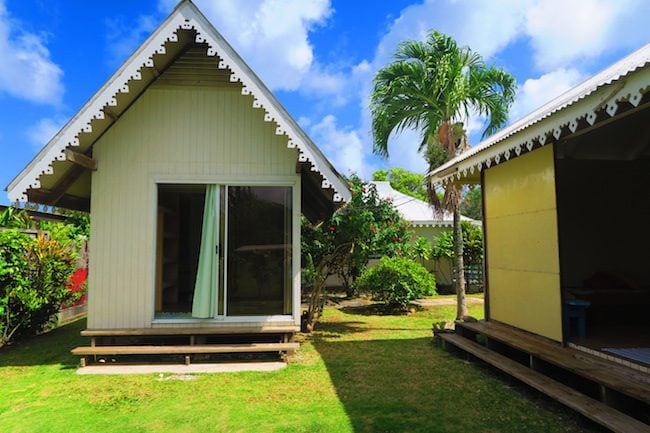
[(237, 258)]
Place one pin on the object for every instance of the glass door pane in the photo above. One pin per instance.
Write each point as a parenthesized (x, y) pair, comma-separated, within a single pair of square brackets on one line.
[(259, 250), (179, 218)]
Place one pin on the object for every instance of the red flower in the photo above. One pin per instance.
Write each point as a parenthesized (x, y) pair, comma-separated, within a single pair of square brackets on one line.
[(75, 284), (332, 228)]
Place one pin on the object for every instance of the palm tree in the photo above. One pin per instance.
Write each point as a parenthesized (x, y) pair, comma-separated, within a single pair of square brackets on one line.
[(432, 87)]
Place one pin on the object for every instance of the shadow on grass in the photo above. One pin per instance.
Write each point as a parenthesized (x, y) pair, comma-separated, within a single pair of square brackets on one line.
[(377, 309), (412, 385), (47, 349)]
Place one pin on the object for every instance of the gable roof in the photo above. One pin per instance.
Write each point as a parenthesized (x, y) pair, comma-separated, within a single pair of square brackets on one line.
[(418, 212), (131, 80), (621, 88)]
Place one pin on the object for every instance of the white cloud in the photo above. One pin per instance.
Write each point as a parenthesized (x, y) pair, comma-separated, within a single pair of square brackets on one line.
[(403, 151), (485, 25), (45, 130), (563, 32), (27, 72), (535, 92), (124, 38), (272, 36), (329, 84), (343, 147), (560, 31)]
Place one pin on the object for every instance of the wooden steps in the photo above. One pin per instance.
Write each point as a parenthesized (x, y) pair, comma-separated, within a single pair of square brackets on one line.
[(592, 409), (129, 345), (622, 379), (186, 349)]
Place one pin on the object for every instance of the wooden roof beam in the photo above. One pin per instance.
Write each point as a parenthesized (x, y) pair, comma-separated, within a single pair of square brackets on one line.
[(45, 196), (81, 160)]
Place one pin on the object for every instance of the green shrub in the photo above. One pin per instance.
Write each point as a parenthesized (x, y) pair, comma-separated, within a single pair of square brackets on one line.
[(33, 283), (397, 281)]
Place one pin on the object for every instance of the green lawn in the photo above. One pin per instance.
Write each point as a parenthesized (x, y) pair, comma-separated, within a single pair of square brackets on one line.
[(357, 373)]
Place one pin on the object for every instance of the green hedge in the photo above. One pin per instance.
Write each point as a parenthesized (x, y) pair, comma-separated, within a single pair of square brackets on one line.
[(397, 281)]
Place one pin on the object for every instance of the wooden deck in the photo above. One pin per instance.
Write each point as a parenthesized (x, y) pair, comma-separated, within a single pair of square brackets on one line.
[(610, 394)]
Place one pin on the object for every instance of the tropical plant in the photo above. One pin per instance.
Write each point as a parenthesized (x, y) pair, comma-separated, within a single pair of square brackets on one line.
[(397, 281), (33, 283), (443, 244), (343, 243), (432, 87), (14, 217), (419, 249)]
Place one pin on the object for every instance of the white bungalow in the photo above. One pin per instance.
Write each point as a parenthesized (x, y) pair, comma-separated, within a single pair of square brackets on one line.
[(195, 177)]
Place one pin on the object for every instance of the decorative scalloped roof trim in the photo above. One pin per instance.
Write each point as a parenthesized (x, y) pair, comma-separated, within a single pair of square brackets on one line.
[(186, 17), (560, 117), (432, 224), (538, 135)]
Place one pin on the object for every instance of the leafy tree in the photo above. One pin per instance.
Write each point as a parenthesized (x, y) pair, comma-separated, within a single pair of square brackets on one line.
[(342, 244), (431, 87), (403, 181), (471, 204)]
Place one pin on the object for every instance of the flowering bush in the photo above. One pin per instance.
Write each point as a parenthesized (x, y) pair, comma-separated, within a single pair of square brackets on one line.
[(342, 244), (33, 283)]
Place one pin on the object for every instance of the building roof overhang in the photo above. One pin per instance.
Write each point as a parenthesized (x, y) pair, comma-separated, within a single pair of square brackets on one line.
[(614, 93), (60, 173)]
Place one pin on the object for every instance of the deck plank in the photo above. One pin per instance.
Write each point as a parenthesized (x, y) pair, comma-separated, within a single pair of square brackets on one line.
[(592, 409), (625, 380), (185, 349), (189, 331)]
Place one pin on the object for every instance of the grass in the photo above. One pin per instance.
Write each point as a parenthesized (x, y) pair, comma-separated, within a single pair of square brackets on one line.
[(357, 373)]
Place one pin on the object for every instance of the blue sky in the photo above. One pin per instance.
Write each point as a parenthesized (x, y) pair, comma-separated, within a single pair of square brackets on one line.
[(317, 56)]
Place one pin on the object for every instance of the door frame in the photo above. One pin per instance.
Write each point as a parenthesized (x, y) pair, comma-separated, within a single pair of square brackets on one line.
[(289, 181)]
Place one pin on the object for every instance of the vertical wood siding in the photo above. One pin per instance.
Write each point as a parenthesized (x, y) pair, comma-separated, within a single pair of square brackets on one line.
[(170, 134)]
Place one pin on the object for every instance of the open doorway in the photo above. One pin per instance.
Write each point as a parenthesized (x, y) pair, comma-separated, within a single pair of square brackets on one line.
[(603, 212), (180, 213)]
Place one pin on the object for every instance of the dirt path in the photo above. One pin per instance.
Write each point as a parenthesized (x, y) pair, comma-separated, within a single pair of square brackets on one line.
[(445, 301)]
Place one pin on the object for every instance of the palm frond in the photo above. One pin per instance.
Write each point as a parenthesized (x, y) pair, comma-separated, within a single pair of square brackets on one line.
[(430, 85)]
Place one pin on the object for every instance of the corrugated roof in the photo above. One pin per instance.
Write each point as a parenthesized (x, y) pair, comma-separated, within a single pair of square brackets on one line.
[(417, 211), (613, 73)]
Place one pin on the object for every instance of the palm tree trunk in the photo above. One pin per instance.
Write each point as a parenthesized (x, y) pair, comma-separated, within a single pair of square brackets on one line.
[(459, 269)]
